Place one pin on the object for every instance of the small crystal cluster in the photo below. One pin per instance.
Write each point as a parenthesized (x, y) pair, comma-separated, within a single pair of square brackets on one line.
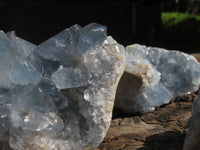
[(153, 76), (59, 95), (192, 140)]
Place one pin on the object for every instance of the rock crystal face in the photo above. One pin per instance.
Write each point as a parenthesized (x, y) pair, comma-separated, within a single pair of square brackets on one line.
[(153, 76), (58, 95), (192, 140)]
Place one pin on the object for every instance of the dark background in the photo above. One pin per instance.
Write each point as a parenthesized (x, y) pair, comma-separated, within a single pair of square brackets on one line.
[(128, 21)]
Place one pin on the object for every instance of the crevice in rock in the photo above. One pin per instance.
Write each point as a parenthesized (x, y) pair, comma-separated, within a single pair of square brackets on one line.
[(129, 86)]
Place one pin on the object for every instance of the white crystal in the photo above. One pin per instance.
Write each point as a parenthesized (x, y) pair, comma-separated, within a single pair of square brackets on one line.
[(68, 77)]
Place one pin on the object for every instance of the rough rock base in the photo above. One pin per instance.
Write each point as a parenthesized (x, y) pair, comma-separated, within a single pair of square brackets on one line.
[(163, 129)]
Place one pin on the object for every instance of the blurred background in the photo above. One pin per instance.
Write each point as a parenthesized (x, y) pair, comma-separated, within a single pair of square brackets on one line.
[(171, 24)]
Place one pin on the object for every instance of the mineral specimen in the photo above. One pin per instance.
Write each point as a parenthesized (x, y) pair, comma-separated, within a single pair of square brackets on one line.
[(192, 141), (153, 76), (58, 95)]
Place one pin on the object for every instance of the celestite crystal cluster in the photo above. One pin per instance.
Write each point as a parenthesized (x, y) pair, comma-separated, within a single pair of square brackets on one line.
[(153, 76), (59, 95)]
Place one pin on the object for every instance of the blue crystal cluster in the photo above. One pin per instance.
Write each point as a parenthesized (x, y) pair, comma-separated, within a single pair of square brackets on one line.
[(58, 95), (153, 76)]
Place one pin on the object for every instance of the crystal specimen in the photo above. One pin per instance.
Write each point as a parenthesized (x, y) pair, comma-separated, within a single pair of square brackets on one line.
[(58, 95), (153, 76), (192, 140)]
